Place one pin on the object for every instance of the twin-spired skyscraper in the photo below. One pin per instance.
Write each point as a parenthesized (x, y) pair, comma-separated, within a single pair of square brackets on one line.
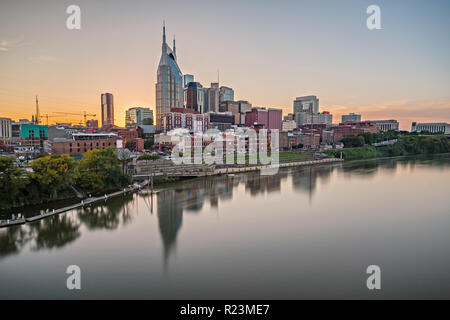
[(169, 83)]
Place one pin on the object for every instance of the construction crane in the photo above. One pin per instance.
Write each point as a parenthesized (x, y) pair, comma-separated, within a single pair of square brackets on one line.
[(46, 116), (84, 114)]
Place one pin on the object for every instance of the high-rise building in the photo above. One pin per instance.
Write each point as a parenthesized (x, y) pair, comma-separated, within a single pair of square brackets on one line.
[(107, 102), (352, 117), (5, 129), (233, 107), (269, 119), (205, 100), (244, 106), (194, 97), (169, 85), (213, 98), (138, 117), (274, 119), (226, 94), (187, 78), (306, 104)]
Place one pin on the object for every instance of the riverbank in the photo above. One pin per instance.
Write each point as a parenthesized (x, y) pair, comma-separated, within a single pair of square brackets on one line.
[(405, 146)]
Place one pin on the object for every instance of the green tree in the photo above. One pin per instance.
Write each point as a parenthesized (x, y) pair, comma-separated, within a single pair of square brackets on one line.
[(13, 182), (353, 141), (368, 138), (53, 173), (100, 170), (148, 157)]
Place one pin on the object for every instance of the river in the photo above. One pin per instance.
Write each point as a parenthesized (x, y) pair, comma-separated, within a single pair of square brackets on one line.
[(305, 233)]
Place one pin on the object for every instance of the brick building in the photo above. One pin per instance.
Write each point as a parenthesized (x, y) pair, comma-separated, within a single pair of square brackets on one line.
[(81, 143), (269, 119), (184, 118), (353, 129)]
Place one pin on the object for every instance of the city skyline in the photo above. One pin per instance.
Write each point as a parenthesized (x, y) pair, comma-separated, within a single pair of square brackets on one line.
[(399, 72)]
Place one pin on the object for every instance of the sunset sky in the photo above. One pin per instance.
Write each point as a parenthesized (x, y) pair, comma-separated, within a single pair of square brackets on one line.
[(269, 52)]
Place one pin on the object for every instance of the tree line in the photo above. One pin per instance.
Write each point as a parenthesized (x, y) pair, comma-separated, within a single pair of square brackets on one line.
[(60, 176), (360, 147)]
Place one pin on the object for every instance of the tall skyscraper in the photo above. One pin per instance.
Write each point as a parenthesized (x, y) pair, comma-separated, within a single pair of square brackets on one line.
[(304, 109), (226, 94), (187, 78), (244, 106), (213, 98), (194, 97), (205, 100), (138, 116), (107, 109), (169, 85), (306, 104)]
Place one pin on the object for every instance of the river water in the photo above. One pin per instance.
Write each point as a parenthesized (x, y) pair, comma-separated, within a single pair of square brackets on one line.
[(305, 233)]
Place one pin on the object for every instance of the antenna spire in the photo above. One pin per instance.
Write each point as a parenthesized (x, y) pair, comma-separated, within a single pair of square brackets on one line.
[(164, 31), (174, 49)]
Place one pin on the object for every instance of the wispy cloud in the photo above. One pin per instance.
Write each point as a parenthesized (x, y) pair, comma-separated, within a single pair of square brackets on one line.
[(7, 45)]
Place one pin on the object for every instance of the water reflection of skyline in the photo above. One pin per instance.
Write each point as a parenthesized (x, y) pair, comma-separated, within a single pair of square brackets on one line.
[(188, 197)]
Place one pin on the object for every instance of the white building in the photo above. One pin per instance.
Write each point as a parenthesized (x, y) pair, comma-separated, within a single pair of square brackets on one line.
[(317, 118), (289, 125), (435, 127), (385, 125), (5, 129)]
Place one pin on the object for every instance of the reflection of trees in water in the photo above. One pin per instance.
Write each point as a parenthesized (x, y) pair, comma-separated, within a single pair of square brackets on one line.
[(12, 240), (54, 232), (390, 164), (62, 229), (366, 168), (50, 233), (107, 215)]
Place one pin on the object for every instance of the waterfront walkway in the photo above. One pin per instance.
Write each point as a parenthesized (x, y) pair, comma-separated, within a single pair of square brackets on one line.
[(159, 169), (10, 222)]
